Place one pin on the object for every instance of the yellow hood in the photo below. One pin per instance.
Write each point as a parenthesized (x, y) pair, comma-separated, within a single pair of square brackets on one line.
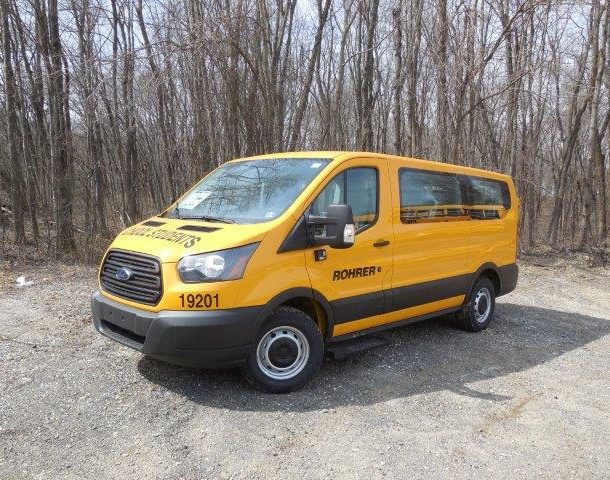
[(171, 239)]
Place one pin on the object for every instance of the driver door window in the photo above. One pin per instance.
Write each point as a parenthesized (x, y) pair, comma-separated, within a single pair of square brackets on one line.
[(357, 187)]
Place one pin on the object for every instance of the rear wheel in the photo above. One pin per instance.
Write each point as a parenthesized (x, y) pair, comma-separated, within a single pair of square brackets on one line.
[(480, 310), (287, 352)]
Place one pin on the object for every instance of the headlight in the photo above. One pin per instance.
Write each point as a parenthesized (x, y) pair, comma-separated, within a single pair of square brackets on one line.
[(216, 266)]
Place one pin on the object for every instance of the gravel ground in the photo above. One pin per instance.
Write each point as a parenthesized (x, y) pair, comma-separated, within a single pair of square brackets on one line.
[(529, 397)]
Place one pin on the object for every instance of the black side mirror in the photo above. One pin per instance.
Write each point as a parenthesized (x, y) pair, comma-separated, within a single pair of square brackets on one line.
[(336, 229)]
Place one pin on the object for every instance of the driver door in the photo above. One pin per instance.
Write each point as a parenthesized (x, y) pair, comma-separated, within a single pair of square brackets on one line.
[(355, 279)]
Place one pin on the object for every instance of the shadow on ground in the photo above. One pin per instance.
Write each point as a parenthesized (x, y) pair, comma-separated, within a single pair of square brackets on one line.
[(424, 357)]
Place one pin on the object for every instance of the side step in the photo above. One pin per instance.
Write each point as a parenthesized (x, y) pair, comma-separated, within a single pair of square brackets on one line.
[(342, 350)]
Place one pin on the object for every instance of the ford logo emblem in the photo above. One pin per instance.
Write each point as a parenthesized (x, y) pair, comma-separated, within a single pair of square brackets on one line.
[(123, 274)]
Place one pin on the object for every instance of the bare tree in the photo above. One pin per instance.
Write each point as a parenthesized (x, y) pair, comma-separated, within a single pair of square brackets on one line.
[(14, 133), (111, 109)]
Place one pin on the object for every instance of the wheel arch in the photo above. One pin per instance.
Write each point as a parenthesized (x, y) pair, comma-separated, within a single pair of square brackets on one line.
[(489, 270), (308, 300)]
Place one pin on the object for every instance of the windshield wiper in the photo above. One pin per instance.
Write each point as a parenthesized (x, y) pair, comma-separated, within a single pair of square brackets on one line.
[(208, 218)]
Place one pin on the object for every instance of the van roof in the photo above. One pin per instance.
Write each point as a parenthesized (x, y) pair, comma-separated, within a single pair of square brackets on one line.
[(341, 156)]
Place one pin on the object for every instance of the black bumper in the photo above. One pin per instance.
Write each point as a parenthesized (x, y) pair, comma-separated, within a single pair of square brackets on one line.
[(206, 339)]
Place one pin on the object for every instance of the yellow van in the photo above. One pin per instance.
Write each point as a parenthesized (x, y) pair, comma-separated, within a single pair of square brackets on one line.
[(271, 259)]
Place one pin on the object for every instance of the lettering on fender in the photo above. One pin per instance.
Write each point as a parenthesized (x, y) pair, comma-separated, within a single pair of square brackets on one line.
[(355, 272)]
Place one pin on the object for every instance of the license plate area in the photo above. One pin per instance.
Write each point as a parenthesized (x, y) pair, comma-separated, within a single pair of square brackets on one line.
[(120, 318)]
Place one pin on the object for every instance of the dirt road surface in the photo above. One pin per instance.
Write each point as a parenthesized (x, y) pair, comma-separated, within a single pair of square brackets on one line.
[(528, 398)]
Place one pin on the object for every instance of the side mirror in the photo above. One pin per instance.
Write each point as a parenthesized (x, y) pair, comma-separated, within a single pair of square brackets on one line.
[(337, 229)]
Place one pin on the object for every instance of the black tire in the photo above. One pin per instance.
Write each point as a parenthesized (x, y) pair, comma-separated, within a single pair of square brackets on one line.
[(479, 312), (283, 345)]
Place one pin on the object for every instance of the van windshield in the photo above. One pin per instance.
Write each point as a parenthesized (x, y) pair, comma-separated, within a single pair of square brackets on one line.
[(252, 191)]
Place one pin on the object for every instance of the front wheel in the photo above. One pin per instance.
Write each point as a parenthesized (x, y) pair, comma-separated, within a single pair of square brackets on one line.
[(480, 310), (287, 352)]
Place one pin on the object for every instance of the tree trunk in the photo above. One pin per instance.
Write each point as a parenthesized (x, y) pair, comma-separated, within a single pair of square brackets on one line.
[(14, 133), (368, 99), (397, 15)]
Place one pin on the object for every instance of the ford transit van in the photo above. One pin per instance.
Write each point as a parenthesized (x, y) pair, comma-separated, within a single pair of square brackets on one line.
[(271, 259)]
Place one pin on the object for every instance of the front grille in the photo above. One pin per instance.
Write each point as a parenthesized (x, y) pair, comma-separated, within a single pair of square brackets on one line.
[(144, 284)]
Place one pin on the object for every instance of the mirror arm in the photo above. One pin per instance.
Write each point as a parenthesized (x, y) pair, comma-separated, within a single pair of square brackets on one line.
[(316, 220)]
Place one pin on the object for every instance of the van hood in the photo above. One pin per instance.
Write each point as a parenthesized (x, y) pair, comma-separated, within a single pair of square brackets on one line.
[(171, 239)]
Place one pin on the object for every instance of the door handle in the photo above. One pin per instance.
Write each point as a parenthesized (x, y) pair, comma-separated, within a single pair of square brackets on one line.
[(381, 243)]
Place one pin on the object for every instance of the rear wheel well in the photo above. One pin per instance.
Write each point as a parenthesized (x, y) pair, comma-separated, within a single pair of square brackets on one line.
[(311, 307), (494, 277)]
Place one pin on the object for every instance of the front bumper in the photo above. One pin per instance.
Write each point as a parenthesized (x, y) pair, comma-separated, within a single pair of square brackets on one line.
[(206, 339)]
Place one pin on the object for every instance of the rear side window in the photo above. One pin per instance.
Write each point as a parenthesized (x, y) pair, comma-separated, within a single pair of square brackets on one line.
[(429, 196), (483, 191), (357, 187)]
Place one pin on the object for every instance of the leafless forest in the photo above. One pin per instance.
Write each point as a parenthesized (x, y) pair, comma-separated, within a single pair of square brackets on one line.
[(112, 108)]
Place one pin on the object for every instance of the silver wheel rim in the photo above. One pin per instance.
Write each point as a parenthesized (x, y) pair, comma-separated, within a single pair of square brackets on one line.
[(482, 305), (272, 347)]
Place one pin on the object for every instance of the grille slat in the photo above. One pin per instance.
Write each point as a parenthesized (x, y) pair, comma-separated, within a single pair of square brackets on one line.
[(144, 286), (122, 261), (128, 294), (147, 280)]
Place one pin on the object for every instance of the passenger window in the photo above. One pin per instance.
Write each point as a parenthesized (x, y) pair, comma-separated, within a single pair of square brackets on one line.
[(356, 187), (488, 192), (430, 196), (488, 199)]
